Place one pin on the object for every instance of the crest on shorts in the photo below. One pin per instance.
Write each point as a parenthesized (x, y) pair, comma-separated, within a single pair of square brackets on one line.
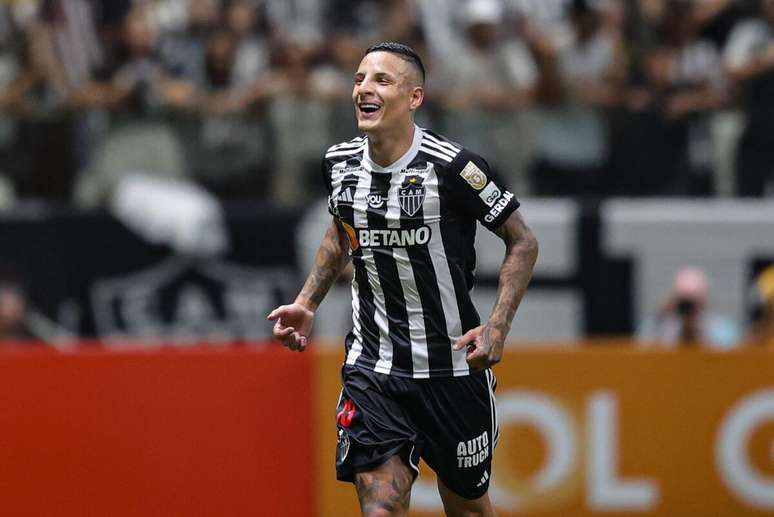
[(411, 195), (343, 444), (474, 176)]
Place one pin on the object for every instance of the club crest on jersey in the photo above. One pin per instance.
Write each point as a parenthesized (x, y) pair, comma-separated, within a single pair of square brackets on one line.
[(411, 195)]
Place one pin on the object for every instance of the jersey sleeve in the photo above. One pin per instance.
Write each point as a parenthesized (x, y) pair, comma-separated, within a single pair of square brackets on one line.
[(479, 192), (325, 169)]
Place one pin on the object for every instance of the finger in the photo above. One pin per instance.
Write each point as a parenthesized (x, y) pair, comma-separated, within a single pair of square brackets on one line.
[(292, 343), (281, 331), (478, 361), (300, 340), (474, 353), (469, 336), (297, 341), (276, 313), (477, 357)]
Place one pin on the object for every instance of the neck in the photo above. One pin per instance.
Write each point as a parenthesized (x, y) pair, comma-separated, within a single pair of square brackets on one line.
[(386, 147)]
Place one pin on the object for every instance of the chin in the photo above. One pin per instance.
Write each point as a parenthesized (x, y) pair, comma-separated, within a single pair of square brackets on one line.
[(367, 125)]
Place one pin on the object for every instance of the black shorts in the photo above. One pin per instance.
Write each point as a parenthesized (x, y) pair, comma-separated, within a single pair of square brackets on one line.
[(450, 422)]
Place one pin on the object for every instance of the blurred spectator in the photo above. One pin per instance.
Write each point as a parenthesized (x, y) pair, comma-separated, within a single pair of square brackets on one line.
[(716, 18), (762, 314), (376, 20), (484, 81), (300, 113), (139, 138), (441, 22), (224, 136), (139, 171), (74, 36), (552, 18), (335, 80), (686, 77), (251, 57), (21, 322), (13, 312), (684, 318), (9, 71), (183, 49), (207, 90), (579, 81), (297, 22), (44, 134), (749, 59)]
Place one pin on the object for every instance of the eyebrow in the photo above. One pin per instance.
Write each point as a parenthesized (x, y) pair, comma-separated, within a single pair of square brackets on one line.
[(377, 75)]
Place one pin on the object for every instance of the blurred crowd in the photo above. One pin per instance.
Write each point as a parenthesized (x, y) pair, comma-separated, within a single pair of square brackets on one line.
[(239, 98), (685, 319)]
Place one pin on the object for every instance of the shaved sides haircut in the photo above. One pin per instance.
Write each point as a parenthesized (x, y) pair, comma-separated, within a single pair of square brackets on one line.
[(402, 51)]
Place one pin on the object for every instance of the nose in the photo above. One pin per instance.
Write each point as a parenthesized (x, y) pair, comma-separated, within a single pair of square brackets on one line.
[(363, 89)]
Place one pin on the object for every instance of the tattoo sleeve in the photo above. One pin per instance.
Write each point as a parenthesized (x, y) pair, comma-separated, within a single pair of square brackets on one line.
[(330, 260), (521, 251)]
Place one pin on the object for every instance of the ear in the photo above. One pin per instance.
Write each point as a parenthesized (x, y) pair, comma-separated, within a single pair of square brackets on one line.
[(417, 96)]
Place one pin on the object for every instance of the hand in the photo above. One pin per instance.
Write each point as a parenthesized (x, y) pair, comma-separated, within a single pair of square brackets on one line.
[(484, 345), (293, 325)]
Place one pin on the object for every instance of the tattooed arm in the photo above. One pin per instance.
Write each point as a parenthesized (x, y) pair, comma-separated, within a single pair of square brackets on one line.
[(331, 258), (294, 322), (485, 343)]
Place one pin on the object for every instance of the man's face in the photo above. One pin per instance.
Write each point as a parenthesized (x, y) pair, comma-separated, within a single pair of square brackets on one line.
[(386, 92)]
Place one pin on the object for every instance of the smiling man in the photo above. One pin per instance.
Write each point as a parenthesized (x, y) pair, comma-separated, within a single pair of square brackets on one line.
[(417, 378)]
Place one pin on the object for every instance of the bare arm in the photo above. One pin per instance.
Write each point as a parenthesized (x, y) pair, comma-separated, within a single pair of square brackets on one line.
[(330, 261), (521, 250), (485, 343), (294, 322)]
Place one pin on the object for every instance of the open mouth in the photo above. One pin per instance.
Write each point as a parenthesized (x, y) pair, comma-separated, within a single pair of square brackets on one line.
[(369, 107)]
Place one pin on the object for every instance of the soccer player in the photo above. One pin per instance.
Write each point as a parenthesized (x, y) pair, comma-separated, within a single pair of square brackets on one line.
[(417, 379)]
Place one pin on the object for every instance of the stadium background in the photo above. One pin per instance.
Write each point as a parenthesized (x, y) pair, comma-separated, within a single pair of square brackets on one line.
[(160, 193)]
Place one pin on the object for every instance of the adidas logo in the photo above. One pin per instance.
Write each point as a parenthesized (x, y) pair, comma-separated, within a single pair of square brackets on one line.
[(484, 479), (346, 195)]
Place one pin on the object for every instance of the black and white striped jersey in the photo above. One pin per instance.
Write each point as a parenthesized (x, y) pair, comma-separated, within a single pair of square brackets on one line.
[(411, 228)]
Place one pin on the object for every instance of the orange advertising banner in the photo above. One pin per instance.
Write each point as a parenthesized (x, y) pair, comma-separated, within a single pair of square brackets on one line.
[(585, 431), (608, 430), (169, 432)]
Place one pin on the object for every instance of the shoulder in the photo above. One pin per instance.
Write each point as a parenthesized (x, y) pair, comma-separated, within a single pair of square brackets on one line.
[(450, 155), (344, 150), (337, 156), (439, 149)]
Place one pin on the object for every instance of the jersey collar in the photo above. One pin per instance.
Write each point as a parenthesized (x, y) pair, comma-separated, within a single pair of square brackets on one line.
[(400, 163)]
